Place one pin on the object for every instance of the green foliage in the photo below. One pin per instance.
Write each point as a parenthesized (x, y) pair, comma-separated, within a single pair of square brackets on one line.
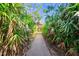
[(15, 28), (65, 24)]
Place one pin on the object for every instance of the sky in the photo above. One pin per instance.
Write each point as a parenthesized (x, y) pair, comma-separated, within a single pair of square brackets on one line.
[(34, 7)]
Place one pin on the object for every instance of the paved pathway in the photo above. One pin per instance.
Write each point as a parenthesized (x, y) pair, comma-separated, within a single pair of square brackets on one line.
[(38, 47)]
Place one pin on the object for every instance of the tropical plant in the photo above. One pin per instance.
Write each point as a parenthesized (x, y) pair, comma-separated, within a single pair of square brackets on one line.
[(65, 24), (14, 28)]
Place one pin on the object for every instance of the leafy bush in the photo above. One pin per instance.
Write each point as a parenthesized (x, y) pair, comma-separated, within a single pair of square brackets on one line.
[(14, 29), (66, 26)]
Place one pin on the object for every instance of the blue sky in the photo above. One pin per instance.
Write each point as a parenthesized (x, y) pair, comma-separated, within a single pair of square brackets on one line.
[(43, 6)]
